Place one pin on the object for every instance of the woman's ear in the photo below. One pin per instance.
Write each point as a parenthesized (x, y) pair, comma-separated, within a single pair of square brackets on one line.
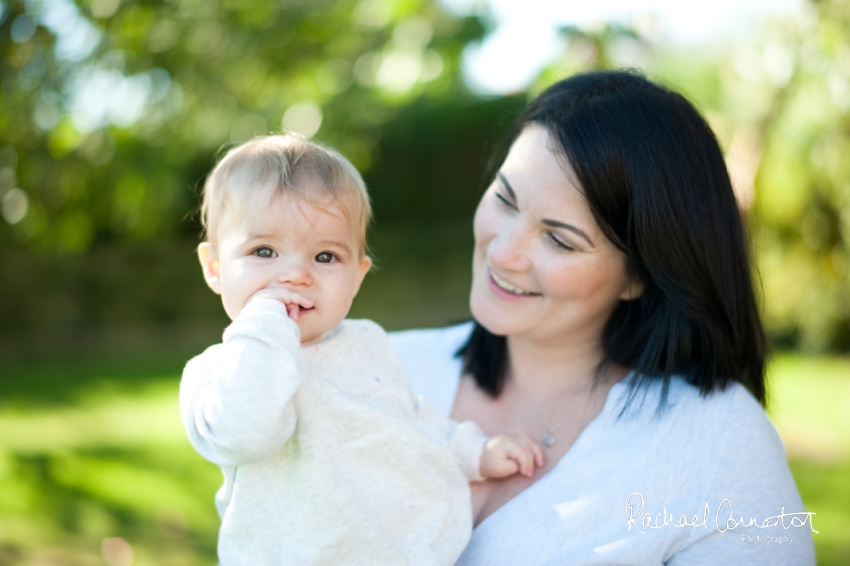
[(208, 256), (633, 290)]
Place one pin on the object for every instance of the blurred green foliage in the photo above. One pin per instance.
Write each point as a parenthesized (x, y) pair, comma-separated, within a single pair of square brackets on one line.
[(96, 450), (106, 137), (112, 112)]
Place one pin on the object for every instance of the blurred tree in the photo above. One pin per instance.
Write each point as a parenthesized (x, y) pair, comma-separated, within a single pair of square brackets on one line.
[(803, 180), (110, 110), (111, 113)]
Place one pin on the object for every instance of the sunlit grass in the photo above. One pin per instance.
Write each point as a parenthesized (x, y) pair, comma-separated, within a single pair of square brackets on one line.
[(810, 405), (95, 450), (809, 401), (107, 458)]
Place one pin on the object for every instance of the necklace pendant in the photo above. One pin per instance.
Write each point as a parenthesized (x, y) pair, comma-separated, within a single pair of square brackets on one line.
[(548, 440)]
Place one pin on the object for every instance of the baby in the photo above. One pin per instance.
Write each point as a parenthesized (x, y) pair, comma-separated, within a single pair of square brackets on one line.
[(327, 457)]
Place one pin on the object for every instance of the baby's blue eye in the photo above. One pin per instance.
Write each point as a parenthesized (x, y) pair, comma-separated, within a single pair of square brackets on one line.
[(264, 252), (325, 257)]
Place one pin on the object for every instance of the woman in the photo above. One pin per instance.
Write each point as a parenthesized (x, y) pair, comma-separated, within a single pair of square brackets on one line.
[(615, 321)]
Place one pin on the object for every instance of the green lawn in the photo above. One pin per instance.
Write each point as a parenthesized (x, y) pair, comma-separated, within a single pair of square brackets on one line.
[(810, 405), (94, 451)]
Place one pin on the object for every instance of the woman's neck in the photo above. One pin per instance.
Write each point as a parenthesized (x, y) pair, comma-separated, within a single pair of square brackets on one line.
[(542, 370)]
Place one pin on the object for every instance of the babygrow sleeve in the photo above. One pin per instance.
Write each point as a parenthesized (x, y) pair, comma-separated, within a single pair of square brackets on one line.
[(236, 399), (465, 439)]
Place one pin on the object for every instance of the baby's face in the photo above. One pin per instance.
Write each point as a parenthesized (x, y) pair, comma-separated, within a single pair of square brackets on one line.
[(291, 244)]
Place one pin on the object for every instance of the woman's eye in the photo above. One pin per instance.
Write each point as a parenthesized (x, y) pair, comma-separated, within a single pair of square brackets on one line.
[(559, 243), (264, 252), (505, 201), (325, 257)]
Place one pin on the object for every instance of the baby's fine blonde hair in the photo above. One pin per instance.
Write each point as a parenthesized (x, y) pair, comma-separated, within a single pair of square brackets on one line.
[(283, 164)]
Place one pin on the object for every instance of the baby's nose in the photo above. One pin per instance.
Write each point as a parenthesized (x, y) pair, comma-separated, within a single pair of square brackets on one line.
[(295, 272)]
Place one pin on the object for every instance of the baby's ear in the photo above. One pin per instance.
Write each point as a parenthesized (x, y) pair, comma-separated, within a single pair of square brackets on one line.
[(362, 269), (208, 256)]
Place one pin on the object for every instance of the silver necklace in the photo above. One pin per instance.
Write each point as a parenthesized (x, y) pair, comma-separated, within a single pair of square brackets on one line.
[(548, 440)]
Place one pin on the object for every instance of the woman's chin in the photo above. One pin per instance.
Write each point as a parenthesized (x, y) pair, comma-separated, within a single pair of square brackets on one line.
[(494, 319)]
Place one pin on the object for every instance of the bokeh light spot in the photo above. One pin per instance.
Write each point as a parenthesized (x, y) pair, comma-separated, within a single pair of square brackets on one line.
[(22, 29), (103, 8), (117, 551), (163, 36), (334, 76), (303, 117), (15, 205)]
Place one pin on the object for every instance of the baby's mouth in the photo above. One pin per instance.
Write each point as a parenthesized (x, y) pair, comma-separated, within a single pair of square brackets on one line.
[(295, 312)]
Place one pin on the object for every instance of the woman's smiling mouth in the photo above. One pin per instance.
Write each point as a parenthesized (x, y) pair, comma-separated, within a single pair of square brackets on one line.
[(510, 288)]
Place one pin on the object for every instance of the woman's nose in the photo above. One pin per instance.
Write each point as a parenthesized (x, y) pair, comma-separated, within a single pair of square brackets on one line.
[(508, 249)]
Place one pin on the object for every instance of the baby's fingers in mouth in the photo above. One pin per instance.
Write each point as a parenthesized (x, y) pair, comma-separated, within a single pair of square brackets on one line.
[(292, 311)]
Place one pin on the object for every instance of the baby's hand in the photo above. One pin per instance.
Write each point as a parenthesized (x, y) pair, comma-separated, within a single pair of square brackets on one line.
[(290, 299), (508, 454)]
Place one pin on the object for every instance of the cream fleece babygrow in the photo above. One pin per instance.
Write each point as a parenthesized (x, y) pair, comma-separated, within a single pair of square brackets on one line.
[(327, 457)]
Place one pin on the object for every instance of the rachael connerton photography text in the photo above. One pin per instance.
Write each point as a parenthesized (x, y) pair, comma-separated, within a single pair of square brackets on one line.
[(724, 520)]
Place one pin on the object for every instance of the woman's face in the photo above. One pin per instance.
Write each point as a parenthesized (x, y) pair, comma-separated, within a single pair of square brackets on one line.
[(542, 267)]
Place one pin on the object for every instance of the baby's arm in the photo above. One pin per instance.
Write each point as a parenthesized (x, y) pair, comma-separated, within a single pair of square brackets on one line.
[(236, 397), (479, 456)]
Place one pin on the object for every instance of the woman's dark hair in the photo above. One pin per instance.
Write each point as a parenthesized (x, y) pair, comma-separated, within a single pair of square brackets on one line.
[(657, 185)]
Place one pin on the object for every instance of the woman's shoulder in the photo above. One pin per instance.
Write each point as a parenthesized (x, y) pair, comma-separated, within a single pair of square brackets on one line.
[(748, 438), (748, 474), (725, 429), (430, 360), (685, 400), (725, 435)]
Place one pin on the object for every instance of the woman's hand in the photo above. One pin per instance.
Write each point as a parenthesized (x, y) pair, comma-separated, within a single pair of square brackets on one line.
[(507, 454)]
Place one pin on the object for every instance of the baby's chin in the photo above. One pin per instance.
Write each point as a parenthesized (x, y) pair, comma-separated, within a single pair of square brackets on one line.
[(314, 329)]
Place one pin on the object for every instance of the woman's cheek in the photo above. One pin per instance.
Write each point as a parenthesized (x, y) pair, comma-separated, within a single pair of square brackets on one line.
[(596, 285), (563, 277)]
